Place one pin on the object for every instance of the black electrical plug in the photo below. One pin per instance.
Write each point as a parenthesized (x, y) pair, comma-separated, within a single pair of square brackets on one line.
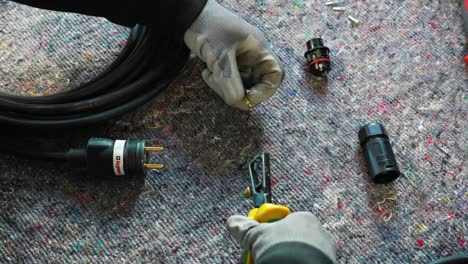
[(318, 57), (380, 160), (113, 158)]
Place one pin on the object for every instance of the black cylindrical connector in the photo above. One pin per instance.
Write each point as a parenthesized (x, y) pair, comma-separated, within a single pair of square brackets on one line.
[(318, 57), (107, 157), (110, 158), (381, 162)]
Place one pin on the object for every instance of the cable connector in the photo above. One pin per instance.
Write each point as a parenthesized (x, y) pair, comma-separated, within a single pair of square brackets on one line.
[(113, 158), (318, 57)]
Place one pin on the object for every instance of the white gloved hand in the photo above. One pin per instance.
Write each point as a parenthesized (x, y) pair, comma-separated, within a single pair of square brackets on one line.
[(298, 238), (237, 55)]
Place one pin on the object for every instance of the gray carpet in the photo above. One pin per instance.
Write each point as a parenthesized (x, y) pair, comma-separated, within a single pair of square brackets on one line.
[(401, 66)]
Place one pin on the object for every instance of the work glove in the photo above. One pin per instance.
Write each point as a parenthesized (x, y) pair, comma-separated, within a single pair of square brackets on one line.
[(298, 238), (237, 55)]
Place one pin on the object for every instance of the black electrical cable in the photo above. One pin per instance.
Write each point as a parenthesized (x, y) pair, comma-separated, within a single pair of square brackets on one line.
[(35, 154), (147, 64)]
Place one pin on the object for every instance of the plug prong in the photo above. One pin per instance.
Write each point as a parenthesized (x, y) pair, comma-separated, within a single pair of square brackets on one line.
[(154, 166), (248, 103), (154, 149)]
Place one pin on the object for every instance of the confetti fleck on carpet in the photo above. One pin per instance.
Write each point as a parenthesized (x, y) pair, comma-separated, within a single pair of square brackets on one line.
[(401, 66)]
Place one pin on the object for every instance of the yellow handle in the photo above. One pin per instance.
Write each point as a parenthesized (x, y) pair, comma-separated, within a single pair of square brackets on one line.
[(266, 213), (269, 213)]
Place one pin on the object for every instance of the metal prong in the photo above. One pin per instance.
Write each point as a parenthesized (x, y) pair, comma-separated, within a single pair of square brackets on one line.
[(154, 149), (354, 20), (248, 103), (154, 166), (339, 8), (247, 193)]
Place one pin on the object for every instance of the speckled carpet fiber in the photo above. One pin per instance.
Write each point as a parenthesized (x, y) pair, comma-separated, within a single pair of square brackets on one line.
[(401, 66)]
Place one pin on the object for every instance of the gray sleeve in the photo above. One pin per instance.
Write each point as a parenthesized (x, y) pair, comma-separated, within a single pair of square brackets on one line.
[(293, 253), (162, 15)]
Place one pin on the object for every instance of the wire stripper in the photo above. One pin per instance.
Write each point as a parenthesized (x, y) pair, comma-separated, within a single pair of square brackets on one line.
[(260, 190)]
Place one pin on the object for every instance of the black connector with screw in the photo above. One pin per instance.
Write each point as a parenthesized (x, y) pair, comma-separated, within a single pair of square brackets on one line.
[(318, 57), (113, 158)]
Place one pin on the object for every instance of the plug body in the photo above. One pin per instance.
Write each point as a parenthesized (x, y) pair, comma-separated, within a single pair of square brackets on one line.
[(318, 57), (380, 160), (112, 158)]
